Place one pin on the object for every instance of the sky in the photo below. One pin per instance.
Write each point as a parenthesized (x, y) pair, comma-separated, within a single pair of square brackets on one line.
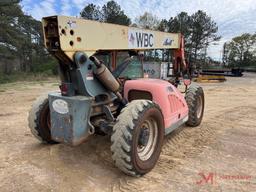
[(233, 17)]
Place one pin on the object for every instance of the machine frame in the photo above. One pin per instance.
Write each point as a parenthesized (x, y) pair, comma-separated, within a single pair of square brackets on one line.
[(94, 98)]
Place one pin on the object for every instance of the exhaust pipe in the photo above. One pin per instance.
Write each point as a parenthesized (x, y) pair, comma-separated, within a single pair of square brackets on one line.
[(106, 78)]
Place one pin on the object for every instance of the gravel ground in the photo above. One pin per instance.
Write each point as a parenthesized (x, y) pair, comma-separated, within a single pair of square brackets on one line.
[(219, 155)]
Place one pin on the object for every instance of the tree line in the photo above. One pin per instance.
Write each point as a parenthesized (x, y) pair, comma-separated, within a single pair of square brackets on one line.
[(21, 38), (240, 51), (21, 41)]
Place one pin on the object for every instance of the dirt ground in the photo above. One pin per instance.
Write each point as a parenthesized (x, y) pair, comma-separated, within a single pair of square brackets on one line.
[(220, 155)]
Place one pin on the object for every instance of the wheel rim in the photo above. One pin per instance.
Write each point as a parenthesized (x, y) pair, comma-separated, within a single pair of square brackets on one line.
[(199, 107), (147, 139)]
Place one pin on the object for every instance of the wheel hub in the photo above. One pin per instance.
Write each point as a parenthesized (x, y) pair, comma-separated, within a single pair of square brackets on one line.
[(143, 137), (147, 139)]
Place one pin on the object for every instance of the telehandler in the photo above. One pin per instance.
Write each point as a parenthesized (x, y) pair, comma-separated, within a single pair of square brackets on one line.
[(104, 90)]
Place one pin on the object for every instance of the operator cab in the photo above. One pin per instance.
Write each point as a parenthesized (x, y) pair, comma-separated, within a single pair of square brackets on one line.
[(154, 64), (157, 64)]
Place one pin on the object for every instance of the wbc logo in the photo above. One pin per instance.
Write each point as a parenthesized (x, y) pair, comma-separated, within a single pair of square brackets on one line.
[(140, 39)]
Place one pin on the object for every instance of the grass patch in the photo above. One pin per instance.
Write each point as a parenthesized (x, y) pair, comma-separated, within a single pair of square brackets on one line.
[(28, 77)]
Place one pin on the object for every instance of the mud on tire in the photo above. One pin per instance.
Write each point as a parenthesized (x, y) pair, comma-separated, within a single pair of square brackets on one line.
[(195, 100), (137, 137), (39, 120)]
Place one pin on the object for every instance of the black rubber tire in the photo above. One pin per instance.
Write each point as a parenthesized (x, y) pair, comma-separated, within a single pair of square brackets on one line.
[(39, 120), (126, 134), (193, 95)]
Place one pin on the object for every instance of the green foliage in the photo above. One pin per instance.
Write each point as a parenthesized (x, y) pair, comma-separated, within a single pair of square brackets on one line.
[(198, 29), (203, 32), (8, 2), (240, 51), (10, 37), (46, 65), (182, 23), (111, 12), (21, 40), (147, 21), (24, 76), (163, 25), (92, 12), (114, 14)]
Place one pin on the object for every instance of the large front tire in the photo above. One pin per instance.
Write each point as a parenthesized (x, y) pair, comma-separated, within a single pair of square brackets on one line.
[(195, 101), (39, 120), (137, 137)]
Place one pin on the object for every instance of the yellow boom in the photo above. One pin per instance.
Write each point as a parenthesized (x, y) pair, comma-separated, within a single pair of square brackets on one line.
[(69, 34)]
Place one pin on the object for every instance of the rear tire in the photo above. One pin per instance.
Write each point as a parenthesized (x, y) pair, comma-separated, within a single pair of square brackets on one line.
[(137, 137), (39, 120), (195, 101)]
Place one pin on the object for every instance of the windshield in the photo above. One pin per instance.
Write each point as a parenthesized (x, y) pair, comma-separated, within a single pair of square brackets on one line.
[(133, 70)]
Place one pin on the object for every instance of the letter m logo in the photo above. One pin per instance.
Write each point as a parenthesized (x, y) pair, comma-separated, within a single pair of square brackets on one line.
[(205, 178)]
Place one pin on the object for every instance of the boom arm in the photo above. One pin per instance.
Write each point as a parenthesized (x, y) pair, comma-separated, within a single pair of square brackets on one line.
[(69, 34)]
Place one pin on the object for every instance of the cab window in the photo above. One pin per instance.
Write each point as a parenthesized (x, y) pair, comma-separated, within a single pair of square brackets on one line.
[(133, 70)]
